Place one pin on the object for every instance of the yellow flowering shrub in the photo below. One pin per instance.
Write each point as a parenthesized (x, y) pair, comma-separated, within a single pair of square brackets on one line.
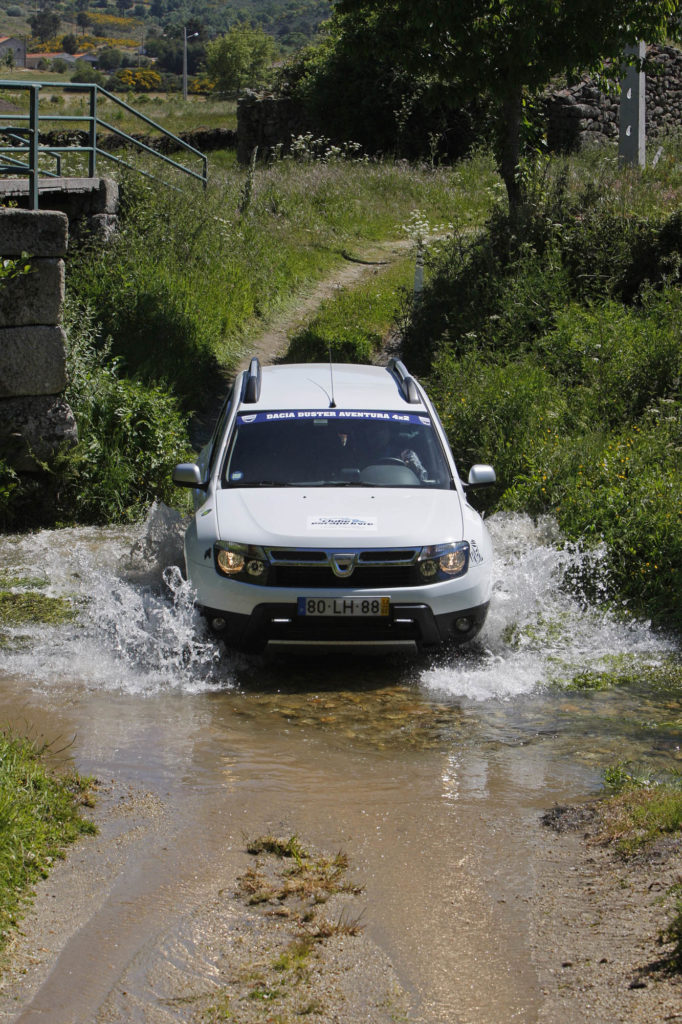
[(138, 79)]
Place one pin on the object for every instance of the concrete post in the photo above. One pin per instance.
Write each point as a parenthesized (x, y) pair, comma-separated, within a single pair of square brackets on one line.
[(632, 138)]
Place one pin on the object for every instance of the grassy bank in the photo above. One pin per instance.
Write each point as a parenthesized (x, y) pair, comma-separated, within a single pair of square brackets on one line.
[(156, 321), (553, 348), (641, 814), (39, 816)]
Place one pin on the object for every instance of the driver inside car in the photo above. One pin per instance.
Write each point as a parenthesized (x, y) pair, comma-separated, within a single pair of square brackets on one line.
[(384, 444)]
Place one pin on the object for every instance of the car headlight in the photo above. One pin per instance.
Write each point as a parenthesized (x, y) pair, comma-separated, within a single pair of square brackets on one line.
[(443, 561), (245, 562)]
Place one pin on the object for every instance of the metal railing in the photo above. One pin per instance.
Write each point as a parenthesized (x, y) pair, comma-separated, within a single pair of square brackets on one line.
[(21, 149)]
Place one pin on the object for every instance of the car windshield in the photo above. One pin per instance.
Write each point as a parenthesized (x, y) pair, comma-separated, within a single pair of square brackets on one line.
[(335, 448)]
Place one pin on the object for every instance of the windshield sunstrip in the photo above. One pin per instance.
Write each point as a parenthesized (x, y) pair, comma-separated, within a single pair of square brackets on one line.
[(335, 448)]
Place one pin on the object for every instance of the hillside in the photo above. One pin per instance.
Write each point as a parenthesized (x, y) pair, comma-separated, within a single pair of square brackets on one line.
[(95, 23)]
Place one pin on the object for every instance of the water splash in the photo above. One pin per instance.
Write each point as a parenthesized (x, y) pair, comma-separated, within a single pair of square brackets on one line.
[(539, 630), (137, 629)]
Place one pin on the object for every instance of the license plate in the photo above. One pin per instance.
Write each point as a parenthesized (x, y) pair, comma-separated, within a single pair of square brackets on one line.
[(352, 607)]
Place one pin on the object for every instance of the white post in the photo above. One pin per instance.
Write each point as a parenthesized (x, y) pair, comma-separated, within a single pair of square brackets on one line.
[(632, 138), (418, 287), (184, 63)]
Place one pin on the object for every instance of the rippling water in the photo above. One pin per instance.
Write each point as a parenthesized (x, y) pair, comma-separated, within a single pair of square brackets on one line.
[(432, 770)]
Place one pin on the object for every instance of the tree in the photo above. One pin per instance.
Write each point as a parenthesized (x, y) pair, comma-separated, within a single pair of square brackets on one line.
[(509, 49), (69, 43), (109, 58), (83, 20), (239, 59), (44, 24), (352, 87), (85, 72)]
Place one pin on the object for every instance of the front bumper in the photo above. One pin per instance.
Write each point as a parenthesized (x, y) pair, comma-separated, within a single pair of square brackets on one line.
[(408, 624)]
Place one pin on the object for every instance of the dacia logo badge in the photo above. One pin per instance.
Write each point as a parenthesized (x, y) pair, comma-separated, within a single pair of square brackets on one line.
[(343, 565)]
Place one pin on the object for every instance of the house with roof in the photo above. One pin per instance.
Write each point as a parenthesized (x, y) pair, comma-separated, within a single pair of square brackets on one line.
[(15, 46), (33, 60)]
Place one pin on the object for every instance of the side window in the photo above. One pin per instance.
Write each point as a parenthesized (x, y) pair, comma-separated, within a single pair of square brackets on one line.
[(218, 430)]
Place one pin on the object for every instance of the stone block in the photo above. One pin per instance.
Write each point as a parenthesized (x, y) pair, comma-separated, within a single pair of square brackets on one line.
[(37, 232), (32, 429), (32, 361), (103, 226), (33, 298), (105, 199)]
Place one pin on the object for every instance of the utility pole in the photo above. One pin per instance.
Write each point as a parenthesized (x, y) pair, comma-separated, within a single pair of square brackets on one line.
[(185, 37)]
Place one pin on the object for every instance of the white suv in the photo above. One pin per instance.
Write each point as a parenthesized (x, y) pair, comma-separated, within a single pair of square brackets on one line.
[(329, 511)]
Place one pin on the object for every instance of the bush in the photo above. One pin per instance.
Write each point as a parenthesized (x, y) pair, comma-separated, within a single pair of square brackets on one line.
[(129, 438), (555, 352), (129, 435), (109, 58), (86, 74)]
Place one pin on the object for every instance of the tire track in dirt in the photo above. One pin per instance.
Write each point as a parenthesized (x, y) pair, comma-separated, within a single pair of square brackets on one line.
[(272, 343)]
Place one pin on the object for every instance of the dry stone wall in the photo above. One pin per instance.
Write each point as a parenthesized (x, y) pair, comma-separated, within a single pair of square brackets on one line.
[(577, 116), (265, 122), (583, 115), (34, 418)]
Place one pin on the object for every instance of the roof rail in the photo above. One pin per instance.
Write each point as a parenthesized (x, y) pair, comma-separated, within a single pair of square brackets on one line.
[(407, 384), (252, 382)]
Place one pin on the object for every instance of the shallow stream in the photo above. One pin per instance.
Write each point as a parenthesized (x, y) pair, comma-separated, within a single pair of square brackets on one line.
[(430, 772)]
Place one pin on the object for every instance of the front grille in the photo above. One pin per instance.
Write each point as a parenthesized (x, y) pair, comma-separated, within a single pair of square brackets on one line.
[(311, 568)]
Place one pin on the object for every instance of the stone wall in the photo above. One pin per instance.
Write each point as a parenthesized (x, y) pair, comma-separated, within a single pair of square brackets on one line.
[(265, 122), (34, 418), (582, 115), (576, 116)]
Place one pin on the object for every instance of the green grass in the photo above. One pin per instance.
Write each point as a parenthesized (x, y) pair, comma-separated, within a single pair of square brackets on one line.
[(664, 676), (39, 816), (639, 814), (356, 322), (28, 607)]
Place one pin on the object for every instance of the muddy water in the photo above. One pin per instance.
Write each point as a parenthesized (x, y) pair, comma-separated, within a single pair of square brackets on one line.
[(429, 772)]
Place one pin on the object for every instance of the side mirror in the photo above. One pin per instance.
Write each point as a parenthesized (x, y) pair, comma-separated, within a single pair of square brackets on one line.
[(188, 474), (481, 476)]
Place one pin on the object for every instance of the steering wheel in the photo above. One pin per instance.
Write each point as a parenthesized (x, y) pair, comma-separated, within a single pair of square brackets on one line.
[(389, 461)]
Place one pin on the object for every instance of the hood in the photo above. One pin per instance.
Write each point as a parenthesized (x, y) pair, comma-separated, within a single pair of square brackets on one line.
[(348, 517)]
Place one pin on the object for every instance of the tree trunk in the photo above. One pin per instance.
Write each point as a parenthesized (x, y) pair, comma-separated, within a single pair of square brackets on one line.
[(508, 146)]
